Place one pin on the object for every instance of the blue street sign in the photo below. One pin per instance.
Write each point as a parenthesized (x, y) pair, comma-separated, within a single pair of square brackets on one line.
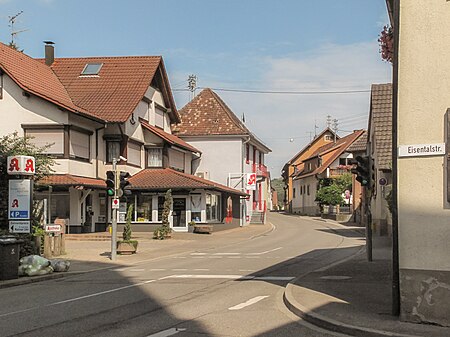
[(18, 215)]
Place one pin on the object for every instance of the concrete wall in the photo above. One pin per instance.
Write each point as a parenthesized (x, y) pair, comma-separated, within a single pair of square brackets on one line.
[(423, 212), (304, 203)]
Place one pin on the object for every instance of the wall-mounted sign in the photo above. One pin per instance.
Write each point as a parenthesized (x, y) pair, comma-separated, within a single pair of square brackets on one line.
[(52, 228), (24, 165), (20, 226), (250, 181), (19, 199), (420, 150)]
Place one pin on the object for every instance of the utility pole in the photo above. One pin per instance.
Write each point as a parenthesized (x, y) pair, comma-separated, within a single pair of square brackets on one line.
[(335, 128), (192, 85), (328, 121)]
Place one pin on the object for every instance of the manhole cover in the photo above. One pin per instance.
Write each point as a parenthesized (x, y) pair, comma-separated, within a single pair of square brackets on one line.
[(335, 277)]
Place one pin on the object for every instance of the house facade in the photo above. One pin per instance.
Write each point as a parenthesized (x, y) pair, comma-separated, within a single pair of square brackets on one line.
[(328, 161), (420, 160), (380, 151), (91, 112), (293, 166), (230, 152)]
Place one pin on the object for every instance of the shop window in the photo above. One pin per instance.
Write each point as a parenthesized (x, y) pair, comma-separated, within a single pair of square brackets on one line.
[(144, 208), (196, 208), (212, 207)]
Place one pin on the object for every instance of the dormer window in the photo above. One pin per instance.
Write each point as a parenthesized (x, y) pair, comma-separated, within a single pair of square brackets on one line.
[(91, 69)]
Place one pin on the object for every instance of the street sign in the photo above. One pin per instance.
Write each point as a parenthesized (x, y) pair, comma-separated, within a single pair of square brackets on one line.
[(23, 165), (19, 227), (115, 203), (382, 181), (52, 228), (19, 199), (421, 150)]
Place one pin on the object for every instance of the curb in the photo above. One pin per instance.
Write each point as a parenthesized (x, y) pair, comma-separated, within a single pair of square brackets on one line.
[(30, 279)]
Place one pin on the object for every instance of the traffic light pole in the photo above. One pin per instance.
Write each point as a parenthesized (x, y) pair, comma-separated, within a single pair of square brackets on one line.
[(114, 217)]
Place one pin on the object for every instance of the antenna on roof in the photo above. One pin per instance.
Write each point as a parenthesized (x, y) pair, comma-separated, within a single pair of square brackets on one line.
[(192, 85), (335, 128), (14, 33)]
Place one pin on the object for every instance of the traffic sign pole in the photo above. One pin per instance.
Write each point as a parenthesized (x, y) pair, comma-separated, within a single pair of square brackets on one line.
[(114, 217)]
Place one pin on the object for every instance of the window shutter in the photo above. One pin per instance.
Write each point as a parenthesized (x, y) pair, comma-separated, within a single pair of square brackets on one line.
[(42, 138), (79, 144), (134, 154)]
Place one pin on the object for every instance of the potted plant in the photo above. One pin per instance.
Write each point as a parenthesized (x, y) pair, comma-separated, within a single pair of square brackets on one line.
[(127, 246), (164, 231), (191, 227)]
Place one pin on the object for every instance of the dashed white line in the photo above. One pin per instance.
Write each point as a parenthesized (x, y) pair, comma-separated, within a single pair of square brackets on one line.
[(249, 302), (227, 254), (168, 332), (267, 251)]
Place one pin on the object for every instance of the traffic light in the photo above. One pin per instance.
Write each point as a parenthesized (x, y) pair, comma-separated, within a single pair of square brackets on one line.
[(362, 170), (110, 183), (123, 182)]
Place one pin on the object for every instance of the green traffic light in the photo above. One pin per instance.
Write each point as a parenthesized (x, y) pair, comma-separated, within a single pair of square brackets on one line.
[(110, 192)]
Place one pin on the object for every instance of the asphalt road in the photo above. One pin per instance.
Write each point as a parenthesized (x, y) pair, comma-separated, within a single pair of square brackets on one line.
[(229, 290)]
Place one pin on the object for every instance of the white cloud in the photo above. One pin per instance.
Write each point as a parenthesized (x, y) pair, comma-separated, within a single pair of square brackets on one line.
[(277, 118)]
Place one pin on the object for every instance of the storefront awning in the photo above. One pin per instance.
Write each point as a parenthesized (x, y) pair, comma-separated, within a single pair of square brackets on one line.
[(69, 180), (164, 179)]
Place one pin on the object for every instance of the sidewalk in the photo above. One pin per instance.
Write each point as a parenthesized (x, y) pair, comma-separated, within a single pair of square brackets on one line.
[(354, 297), (87, 256)]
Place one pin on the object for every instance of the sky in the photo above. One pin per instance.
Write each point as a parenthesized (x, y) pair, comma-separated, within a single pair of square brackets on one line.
[(272, 47)]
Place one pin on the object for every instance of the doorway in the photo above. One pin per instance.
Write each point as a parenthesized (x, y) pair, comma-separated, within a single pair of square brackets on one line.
[(179, 213)]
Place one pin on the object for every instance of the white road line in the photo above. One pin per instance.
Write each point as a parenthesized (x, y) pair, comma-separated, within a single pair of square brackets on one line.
[(227, 254), (274, 278), (201, 269), (215, 257), (253, 257), (249, 302), (168, 332), (179, 269), (234, 257), (267, 251), (157, 269), (198, 253)]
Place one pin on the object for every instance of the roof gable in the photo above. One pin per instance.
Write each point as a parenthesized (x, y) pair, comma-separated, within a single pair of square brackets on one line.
[(207, 114), (114, 93), (36, 78)]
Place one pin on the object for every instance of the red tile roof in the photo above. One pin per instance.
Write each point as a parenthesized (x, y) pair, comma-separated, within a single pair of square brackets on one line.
[(164, 179), (115, 92), (207, 114), (36, 78), (71, 180), (171, 139)]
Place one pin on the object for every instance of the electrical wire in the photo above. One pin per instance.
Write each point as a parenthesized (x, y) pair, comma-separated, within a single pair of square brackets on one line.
[(318, 92)]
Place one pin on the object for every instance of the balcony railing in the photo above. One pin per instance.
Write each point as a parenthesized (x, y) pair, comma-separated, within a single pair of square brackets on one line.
[(337, 172), (260, 170)]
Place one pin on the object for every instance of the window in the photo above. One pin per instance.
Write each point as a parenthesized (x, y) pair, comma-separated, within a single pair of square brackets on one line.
[(112, 150), (328, 138), (52, 137), (307, 189), (260, 158), (159, 118), (343, 161), (176, 159), (134, 153), (144, 208), (160, 207), (212, 207), (301, 190), (196, 208), (92, 69), (154, 157), (79, 144), (293, 193), (247, 153)]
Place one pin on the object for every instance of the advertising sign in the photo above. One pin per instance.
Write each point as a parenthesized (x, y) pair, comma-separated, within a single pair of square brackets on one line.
[(19, 199), (250, 181), (23, 165), (52, 228)]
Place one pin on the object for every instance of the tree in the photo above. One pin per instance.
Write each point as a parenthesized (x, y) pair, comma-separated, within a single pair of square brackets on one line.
[(329, 195), (164, 230)]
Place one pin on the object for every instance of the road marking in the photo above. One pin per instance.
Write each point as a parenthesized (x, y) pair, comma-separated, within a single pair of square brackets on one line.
[(227, 254), (168, 332), (198, 253), (215, 257), (249, 302), (234, 257), (157, 269), (179, 269), (267, 251), (232, 277), (201, 269)]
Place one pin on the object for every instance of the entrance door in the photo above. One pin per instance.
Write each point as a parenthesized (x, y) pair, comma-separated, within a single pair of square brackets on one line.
[(179, 214)]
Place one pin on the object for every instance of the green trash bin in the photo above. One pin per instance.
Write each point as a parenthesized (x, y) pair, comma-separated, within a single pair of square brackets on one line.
[(9, 257)]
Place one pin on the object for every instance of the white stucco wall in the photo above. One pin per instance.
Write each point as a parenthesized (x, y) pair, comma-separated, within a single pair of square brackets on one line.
[(220, 156), (423, 98)]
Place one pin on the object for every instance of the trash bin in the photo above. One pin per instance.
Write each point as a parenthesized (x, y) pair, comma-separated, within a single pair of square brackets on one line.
[(9, 257)]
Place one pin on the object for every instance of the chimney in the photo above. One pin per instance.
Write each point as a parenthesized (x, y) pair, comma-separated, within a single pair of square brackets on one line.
[(49, 52)]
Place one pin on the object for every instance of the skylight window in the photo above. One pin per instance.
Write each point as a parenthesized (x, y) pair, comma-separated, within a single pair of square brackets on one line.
[(92, 69)]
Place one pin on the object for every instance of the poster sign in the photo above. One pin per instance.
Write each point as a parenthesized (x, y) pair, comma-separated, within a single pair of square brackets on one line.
[(20, 226), (23, 165), (19, 199), (250, 181)]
